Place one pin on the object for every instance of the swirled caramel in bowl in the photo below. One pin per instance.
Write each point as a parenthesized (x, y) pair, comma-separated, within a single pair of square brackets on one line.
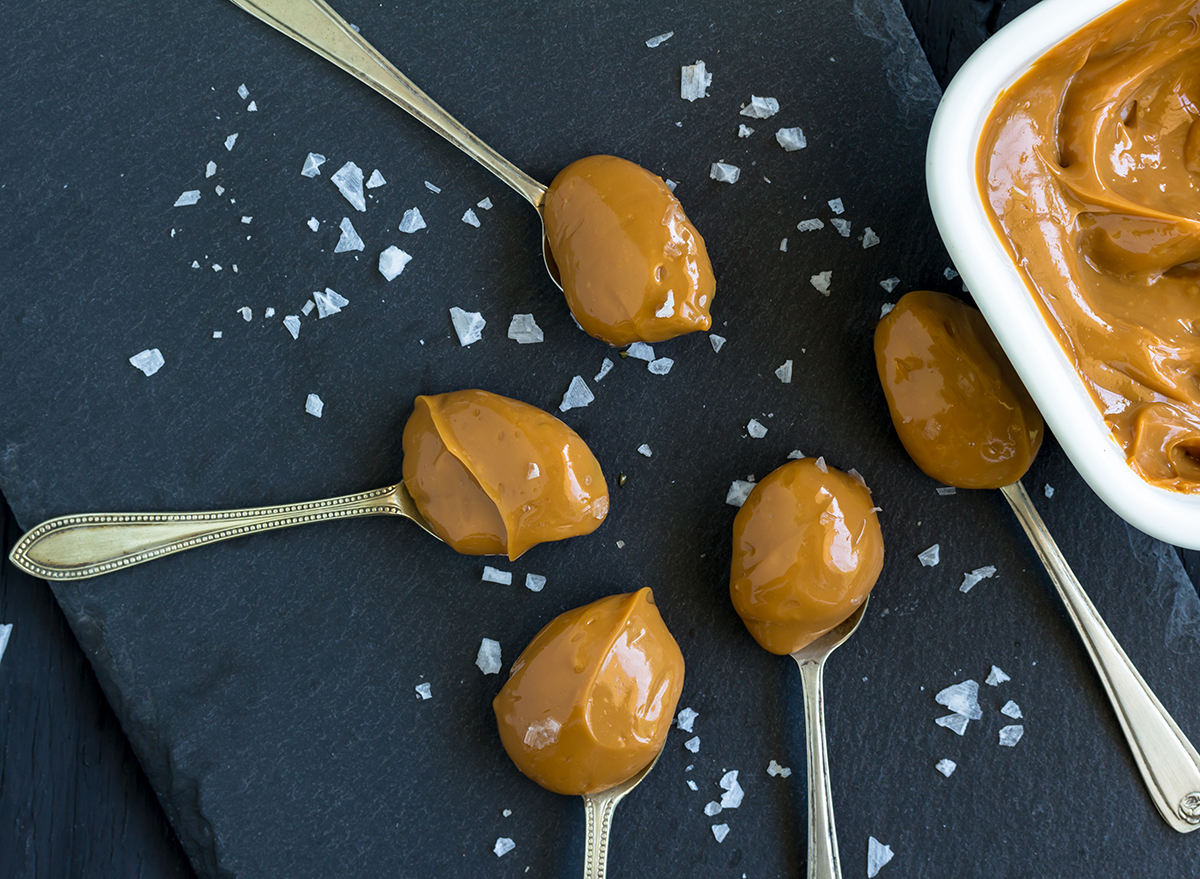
[(957, 403), (590, 700), (632, 266), (1090, 166), (807, 549), (496, 476)]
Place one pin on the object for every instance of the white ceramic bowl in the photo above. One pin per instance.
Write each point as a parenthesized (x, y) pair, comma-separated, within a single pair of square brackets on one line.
[(1000, 292)]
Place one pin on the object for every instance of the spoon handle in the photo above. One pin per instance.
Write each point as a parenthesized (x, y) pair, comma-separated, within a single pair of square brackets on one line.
[(1169, 764), (823, 862), (80, 546), (598, 812), (314, 24)]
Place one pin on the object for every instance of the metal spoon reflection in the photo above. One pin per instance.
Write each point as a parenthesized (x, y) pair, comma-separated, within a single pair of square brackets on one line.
[(599, 808)]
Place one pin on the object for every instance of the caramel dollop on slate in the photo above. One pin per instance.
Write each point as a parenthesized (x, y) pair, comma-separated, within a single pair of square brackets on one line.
[(807, 550), (1090, 167), (493, 475), (590, 700), (960, 409), (631, 264)]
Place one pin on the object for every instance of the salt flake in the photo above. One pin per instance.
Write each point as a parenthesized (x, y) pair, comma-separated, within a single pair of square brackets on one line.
[(745, 131), (350, 239), (712, 808), (149, 361), (870, 239), (470, 219), (810, 225), (889, 284), (685, 718), (877, 855), (716, 341), (693, 744), (996, 677), (1011, 709), (954, 722), (605, 367), (486, 204), (821, 282), (946, 490), (1010, 735), (392, 262), (535, 582), (760, 108), (468, 325), (640, 351), (188, 198), (376, 180), (488, 657), (1049, 490), (773, 768), (412, 221), (732, 798), (524, 330), (784, 373), (425, 691), (973, 577), (791, 139), (946, 767), (756, 428), (431, 187), (842, 226), (661, 366), (230, 141), (724, 173), (314, 223), (329, 302), (720, 831), (961, 698), (349, 181), (243, 92), (577, 396), (292, 322), (210, 169), (930, 557), (655, 42), (312, 165), (739, 490), (313, 405), (694, 81), (246, 313), (835, 205), (252, 107), (504, 845)]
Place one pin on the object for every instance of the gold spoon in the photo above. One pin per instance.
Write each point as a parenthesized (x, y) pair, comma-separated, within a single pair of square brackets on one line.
[(88, 544), (823, 861), (599, 808), (313, 24)]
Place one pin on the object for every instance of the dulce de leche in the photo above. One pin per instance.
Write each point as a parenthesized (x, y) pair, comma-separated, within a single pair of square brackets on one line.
[(497, 476), (958, 405), (807, 549), (1090, 166), (632, 266), (590, 700)]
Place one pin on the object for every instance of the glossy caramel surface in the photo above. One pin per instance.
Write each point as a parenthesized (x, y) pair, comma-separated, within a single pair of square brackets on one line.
[(958, 406), (807, 549), (590, 700), (1090, 165), (632, 266), (495, 476)]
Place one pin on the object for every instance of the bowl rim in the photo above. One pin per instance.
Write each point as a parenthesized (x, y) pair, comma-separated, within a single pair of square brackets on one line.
[(1000, 291)]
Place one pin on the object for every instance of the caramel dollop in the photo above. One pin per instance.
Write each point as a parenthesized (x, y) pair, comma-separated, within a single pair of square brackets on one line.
[(493, 475), (1090, 167), (590, 700), (960, 409), (807, 550), (631, 264)]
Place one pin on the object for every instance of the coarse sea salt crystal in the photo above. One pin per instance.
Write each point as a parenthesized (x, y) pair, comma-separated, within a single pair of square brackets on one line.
[(314, 223), (795, 455), (1011, 709), (392, 262), (210, 169), (692, 785), (431, 187), (821, 282), (504, 845), (533, 472), (869, 239), (745, 131), (693, 744), (668, 307), (524, 329), (930, 557), (329, 302), (949, 273), (644, 449), (1010, 735), (791, 139), (878, 854), (252, 107), (661, 366), (488, 657), (783, 246), (889, 284), (425, 691), (313, 405), (1049, 490), (577, 396), (308, 307), (810, 225), (292, 322), (535, 582), (495, 575), (470, 219), (605, 368), (946, 767), (149, 361), (961, 698), (694, 81), (190, 197), (842, 226), (216, 267), (756, 428), (954, 722), (720, 831), (412, 221), (685, 718), (350, 239), (246, 313), (217, 334), (671, 184), (195, 264), (485, 204), (5, 634), (716, 341), (835, 205), (760, 108), (243, 92), (784, 373), (376, 180), (640, 351), (468, 325), (739, 490), (773, 768), (712, 808), (655, 42), (857, 477), (732, 798), (946, 490), (246, 220), (724, 172), (312, 165), (230, 141), (349, 181), (821, 465), (996, 677), (973, 577)]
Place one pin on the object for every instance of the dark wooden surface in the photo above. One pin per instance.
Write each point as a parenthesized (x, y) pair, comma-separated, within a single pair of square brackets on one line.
[(73, 800)]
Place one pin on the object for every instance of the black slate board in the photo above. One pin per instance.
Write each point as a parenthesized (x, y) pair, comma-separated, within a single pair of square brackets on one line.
[(267, 683)]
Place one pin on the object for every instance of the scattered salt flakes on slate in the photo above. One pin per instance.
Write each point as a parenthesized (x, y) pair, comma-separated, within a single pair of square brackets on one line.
[(535, 582), (784, 373), (1049, 490), (946, 767), (190, 197), (504, 845), (425, 691), (486, 204), (870, 239), (524, 330), (954, 722), (842, 226), (783, 246), (655, 42), (760, 108), (313, 405), (930, 557), (694, 81), (605, 367), (292, 322), (376, 180), (810, 225), (717, 341), (349, 181), (149, 361), (821, 465), (644, 449), (973, 577), (1011, 709), (685, 718), (835, 205), (877, 855), (712, 808), (412, 221), (350, 239), (468, 325), (724, 173), (217, 334), (692, 785), (720, 831), (210, 169), (693, 744), (756, 428), (246, 313), (946, 490), (243, 92), (668, 307), (795, 455), (329, 302), (488, 658), (308, 307), (791, 139), (996, 677), (470, 219), (5, 634), (745, 131), (1010, 735), (889, 284), (775, 769), (392, 262), (821, 282), (252, 108), (577, 396), (732, 798), (495, 575), (640, 351), (314, 223), (661, 366), (431, 187), (739, 490), (230, 141), (962, 698), (950, 274)]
